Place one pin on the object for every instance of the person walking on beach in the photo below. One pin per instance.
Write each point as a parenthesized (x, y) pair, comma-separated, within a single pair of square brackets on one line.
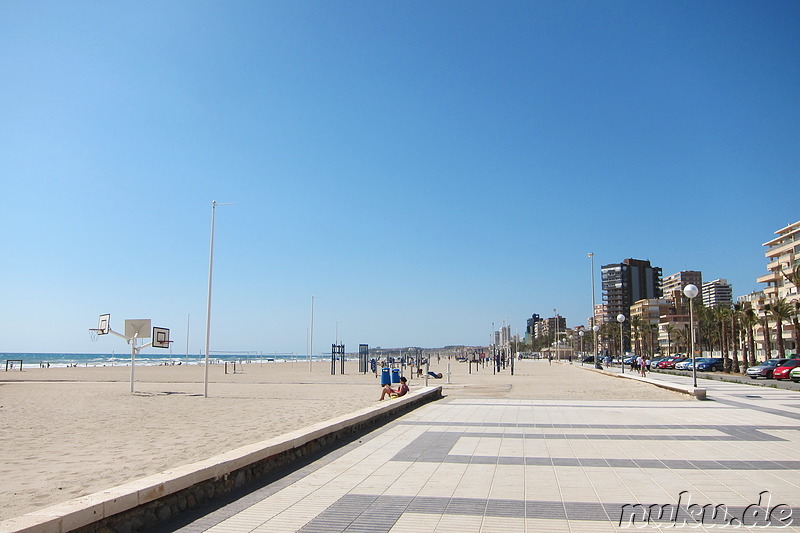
[(395, 393), (642, 366)]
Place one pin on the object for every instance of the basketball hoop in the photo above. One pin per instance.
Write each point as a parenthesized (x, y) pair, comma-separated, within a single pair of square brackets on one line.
[(93, 332)]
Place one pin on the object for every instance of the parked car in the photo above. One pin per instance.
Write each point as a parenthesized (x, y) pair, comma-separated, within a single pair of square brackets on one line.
[(795, 374), (684, 365), (671, 362), (765, 369), (782, 372), (712, 364), (588, 359), (655, 361)]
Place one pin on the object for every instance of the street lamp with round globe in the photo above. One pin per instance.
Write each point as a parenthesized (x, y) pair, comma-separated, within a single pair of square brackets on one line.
[(691, 291)]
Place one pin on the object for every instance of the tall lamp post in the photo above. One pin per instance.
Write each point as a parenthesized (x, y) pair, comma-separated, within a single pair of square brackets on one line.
[(571, 347), (595, 329), (621, 320), (214, 205), (581, 334), (691, 291), (594, 325)]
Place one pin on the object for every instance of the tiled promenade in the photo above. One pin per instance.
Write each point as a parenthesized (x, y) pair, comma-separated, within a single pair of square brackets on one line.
[(467, 465)]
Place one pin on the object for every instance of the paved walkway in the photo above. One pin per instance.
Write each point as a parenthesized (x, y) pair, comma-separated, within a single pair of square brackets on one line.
[(476, 464)]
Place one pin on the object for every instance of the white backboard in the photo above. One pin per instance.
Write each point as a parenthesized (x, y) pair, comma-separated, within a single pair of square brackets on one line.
[(137, 327)]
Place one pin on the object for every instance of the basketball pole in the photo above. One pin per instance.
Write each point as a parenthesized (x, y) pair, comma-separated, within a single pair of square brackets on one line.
[(134, 352)]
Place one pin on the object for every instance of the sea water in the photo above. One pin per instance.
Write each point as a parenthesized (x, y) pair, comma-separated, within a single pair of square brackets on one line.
[(50, 360)]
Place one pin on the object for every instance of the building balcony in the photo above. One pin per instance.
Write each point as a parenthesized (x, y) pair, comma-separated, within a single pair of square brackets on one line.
[(782, 249), (766, 278)]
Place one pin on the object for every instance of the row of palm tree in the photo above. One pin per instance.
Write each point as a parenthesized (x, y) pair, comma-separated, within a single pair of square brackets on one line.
[(732, 330)]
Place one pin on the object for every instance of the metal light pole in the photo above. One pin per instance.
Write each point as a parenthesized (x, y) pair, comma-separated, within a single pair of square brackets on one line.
[(594, 326), (581, 334), (621, 320), (558, 351), (214, 205), (691, 291)]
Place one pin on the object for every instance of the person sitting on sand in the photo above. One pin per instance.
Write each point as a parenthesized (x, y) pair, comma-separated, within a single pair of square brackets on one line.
[(392, 393)]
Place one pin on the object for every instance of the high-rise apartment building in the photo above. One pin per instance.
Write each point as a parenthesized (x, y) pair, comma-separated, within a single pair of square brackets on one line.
[(531, 327), (717, 293), (679, 280), (549, 326), (600, 314), (628, 282), (783, 254)]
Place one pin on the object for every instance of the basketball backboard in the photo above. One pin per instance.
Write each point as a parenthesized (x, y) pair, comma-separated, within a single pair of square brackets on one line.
[(137, 327), (104, 324), (160, 337)]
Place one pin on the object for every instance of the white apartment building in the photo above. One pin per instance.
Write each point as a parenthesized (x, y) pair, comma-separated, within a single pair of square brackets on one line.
[(717, 293), (783, 254)]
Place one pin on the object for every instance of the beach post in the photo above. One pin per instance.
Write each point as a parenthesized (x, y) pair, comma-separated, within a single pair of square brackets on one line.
[(363, 358)]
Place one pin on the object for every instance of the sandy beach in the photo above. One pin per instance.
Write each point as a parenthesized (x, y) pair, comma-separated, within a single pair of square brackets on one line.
[(67, 432)]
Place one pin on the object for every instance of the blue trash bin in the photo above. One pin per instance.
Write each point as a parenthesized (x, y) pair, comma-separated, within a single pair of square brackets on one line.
[(385, 378), (395, 375)]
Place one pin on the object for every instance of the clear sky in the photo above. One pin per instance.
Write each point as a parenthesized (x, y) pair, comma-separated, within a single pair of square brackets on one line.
[(423, 169)]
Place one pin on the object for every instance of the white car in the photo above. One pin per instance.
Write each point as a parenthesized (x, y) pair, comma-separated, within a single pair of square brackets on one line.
[(683, 365)]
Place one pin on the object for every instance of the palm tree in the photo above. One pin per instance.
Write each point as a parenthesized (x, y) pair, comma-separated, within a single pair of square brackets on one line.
[(682, 339), (609, 331), (796, 325), (793, 277), (670, 329), (749, 321), (767, 340), (733, 315), (704, 318), (721, 316), (780, 311), (636, 325), (654, 339)]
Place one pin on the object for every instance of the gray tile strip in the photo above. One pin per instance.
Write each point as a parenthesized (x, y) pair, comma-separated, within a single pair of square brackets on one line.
[(378, 514)]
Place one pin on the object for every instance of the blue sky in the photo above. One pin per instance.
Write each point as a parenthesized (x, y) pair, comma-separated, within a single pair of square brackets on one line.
[(423, 169)]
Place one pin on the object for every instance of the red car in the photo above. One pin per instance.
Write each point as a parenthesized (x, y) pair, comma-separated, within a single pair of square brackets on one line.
[(782, 372), (670, 363)]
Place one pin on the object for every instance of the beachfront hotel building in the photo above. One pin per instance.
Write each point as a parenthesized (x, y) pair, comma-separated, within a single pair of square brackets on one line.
[(549, 326), (628, 282), (672, 286), (717, 293), (600, 314), (783, 255), (530, 329)]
